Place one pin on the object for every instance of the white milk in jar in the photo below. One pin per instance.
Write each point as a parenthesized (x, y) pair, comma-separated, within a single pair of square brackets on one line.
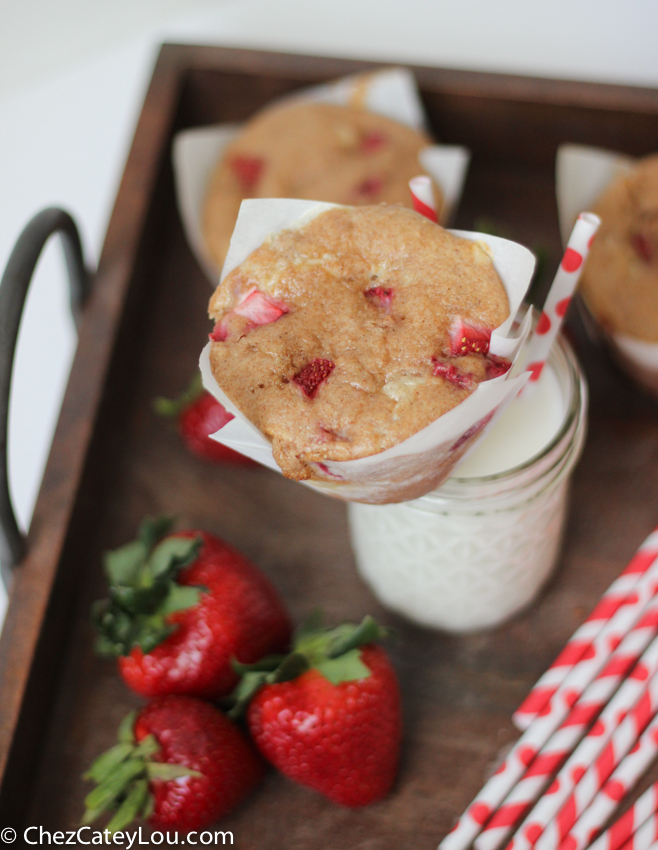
[(472, 553)]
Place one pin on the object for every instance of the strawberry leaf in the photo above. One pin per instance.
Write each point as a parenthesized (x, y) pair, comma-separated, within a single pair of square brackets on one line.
[(152, 530), (150, 631), (149, 805), (173, 407), (181, 597), (138, 600), (126, 732), (267, 664), (291, 667), (312, 625), (143, 589), (129, 809), (235, 704), (147, 747), (108, 761), (347, 668), (122, 565), (367, 631), (334, 653), (166, 772), (173, 554), (104, 795)]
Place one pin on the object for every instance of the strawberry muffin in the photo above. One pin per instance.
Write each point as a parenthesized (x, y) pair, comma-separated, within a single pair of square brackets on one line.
[(620, 281), (342, 337), (314, 151)]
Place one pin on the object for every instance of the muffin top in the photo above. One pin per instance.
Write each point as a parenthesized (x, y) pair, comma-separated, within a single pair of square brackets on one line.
[(620, 280), (313, 151), (345, 336)]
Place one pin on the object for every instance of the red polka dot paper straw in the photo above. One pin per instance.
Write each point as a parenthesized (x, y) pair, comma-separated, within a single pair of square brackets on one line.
[(422, 197), (629, 693), (580, 644), (558, 748), (621, 783), (560, 293), (623, 739), (560, 706)]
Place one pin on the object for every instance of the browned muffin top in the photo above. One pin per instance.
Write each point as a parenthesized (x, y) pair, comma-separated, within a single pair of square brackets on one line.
[(345, 336), (314, 151), (620, 280)]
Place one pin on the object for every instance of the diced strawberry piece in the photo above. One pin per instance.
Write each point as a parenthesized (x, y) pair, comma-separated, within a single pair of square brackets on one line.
[(219, 332), (642, 246), (313, 374), (380, 296), (370, 187), (468, 339), (248, 170), (497, 366), (259, 308), (372, 141), (454, 375)]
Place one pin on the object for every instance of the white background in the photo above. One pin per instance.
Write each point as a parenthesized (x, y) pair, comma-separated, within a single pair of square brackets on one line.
[(73, 74)]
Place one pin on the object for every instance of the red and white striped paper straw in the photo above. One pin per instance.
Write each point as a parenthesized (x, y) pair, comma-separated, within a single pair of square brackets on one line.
[(469, 826), (593, 743), (622, 740), (533, 739), (560, 293), (623, 780), (557, 749), (580, 643), (623, 829), (422, 197), (645, 836)]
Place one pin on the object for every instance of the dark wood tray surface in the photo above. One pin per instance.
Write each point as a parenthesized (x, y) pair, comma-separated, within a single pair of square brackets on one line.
[(112, 462)]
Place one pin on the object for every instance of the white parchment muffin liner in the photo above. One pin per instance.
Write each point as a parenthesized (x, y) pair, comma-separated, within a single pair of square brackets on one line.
[(391, 92), (582, 175), (422, 462)]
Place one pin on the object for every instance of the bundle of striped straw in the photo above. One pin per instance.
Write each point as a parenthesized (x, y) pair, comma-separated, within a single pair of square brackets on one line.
[(590, 732)]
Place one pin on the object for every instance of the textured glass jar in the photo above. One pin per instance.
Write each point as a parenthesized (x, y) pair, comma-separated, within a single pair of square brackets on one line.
[(470, 554)]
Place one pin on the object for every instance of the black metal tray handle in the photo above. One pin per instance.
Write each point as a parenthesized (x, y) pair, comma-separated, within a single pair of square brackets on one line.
[(14, 287)]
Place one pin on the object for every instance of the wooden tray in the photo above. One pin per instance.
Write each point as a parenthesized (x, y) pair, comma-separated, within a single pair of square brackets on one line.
[(112, 462)]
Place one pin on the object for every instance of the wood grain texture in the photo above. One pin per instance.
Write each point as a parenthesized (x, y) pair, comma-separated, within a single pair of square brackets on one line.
[(112, 462)]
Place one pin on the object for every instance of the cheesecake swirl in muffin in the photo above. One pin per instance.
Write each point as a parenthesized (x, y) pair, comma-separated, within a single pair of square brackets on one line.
[(342, 337)]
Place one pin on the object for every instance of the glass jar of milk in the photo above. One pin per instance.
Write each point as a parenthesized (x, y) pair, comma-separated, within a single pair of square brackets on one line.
[(473, 552)]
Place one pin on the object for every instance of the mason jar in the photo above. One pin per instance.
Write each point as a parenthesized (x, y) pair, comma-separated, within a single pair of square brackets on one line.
[(476, 550)]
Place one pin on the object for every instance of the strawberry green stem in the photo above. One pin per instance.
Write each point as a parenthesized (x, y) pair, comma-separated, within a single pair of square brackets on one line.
[(171, 408), (335, 653)]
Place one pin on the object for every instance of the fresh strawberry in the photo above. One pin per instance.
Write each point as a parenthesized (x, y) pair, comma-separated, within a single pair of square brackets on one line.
[(199, 414), (468, 339), (180, 608), (313, 374), (181, 765), (248, 170), (328, 715), (453, 375)]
